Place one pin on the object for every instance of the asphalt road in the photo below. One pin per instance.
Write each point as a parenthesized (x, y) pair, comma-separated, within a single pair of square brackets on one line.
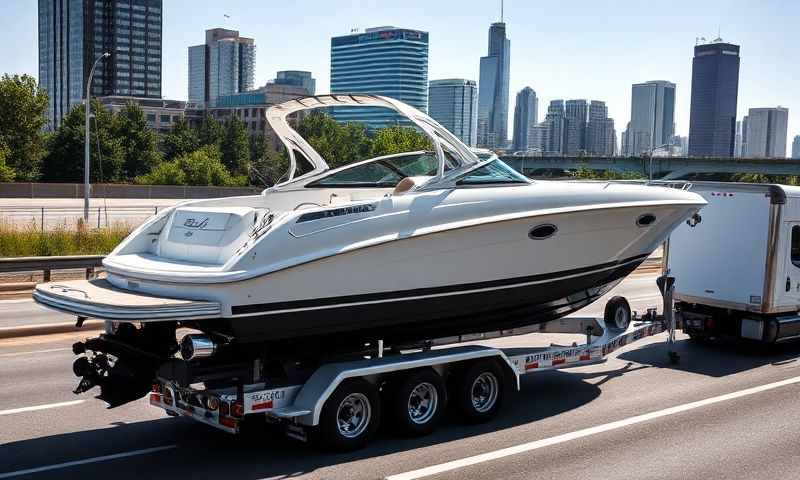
[(717, 414), (65, 212)]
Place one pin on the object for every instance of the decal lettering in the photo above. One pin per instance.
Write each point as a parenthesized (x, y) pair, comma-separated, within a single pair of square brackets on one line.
[(193, 223), (337, 212)]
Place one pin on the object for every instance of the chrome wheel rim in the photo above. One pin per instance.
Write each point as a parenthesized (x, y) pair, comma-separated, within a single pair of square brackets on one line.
[(484, 392), (353, 415), (422, 403)]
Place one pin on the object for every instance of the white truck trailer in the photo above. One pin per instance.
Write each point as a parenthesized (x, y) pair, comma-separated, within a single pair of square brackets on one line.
[(738, 269)]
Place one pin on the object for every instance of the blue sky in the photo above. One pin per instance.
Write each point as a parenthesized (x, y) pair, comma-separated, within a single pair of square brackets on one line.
[(577, 49)]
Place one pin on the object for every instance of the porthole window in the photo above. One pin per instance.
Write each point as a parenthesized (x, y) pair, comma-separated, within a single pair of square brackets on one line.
[(540, 232), (646, 220)]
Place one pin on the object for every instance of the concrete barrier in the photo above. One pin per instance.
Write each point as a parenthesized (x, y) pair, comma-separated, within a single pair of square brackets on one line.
[(113, 190)]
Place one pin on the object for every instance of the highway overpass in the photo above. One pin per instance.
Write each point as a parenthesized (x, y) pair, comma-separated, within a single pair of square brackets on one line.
[(663, 167)]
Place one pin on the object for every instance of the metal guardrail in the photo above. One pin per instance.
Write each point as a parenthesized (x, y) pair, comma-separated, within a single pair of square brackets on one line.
[(47, 264)]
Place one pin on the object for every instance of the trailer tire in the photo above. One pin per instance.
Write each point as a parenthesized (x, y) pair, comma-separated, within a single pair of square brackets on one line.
[(479, 391), (617, 313), (350, 416), (417, 402)]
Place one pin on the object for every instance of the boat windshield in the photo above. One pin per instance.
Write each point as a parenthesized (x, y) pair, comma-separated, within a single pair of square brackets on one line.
[(385, 172), (493, 172)]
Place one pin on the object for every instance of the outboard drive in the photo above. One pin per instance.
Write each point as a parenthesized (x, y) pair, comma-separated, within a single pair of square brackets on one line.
[(123, 363)]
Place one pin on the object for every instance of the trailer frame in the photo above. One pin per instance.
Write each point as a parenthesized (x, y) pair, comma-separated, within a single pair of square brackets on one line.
[(299, 406)]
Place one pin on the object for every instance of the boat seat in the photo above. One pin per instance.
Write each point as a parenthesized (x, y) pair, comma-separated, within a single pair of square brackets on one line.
[(409, 183)]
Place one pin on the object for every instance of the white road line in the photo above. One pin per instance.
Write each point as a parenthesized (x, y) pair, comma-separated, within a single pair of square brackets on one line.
[(31, 352), (85, 461), (40, 407), (527, 447)]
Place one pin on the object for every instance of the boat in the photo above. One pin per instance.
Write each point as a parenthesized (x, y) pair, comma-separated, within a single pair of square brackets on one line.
[(399, 248)]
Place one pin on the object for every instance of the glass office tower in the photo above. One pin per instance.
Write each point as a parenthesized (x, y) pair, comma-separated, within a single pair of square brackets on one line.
[(715, 87), (385, 61), (74, 33), (493, 93), (453, 102), (224, 65)]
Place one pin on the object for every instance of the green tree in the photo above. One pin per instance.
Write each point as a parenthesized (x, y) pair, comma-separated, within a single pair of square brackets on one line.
[(64, 161), (397, 139), (269, 168), (201, 167), (139, 142), (337, 144), (22, 117), (210, 131), (7, 173), (180, 140), (235, 147)]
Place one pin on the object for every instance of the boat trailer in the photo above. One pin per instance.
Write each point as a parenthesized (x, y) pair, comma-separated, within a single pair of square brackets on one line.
[(336, 400)]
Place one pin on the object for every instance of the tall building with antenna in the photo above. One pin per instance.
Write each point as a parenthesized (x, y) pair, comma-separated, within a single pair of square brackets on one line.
[(493, 88)]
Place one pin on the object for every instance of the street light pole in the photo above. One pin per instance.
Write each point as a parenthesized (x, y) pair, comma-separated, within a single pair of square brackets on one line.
[(87, 142)]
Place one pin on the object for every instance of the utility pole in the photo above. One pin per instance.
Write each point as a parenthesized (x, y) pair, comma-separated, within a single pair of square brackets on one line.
[(86, 186)]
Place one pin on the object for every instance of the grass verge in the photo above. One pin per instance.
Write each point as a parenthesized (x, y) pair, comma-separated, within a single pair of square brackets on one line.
[(30, 241)]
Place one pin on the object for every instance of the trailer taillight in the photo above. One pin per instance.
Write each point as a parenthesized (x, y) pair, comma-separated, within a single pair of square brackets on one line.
[(228, 422), (709, 324)]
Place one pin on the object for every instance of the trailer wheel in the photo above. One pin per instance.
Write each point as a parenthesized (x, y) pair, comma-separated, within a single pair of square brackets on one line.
[(350, 416), (479, 391), (417, 402), (617, 313)]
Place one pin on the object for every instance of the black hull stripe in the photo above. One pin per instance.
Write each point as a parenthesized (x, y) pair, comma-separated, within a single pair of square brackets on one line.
[(421, 292)]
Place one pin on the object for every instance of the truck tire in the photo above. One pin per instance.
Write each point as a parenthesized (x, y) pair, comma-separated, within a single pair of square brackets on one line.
[(479, 390), (617, 313), (350, 416), (417, 402)]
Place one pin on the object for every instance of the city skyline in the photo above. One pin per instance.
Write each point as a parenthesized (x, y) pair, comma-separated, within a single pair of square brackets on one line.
[(766, 77)]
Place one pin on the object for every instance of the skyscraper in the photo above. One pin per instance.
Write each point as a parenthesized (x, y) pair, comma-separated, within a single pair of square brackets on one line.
[(715, 87), (297, 78), (601, 138), (526, 115), (766, 132), (652, 116), (382, 61), (453, 102), (493, 94), (223, 66), (796, 147), (556, 128), (74, 33), (575, 111), (737, 142)]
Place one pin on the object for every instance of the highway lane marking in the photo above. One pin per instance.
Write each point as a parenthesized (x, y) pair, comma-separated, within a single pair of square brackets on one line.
[(35, 408), (73, 463), (567, 437), (49, 350)]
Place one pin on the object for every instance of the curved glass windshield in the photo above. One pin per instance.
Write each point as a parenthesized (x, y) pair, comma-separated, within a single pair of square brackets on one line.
[(383, 173), (493, 172)]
